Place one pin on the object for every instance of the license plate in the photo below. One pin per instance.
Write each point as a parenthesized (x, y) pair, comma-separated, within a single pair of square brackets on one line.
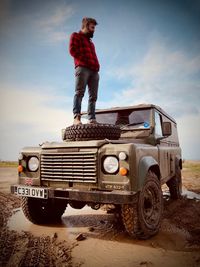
[(29, 191)]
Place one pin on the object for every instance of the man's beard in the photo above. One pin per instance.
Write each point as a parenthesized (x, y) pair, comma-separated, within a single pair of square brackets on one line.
[(90, 34)]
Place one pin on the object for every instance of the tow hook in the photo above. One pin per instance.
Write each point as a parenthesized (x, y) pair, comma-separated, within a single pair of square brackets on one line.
[(95, 206)]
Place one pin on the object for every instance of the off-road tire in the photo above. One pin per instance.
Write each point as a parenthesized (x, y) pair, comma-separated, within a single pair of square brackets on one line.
[(77, 204), (43, 211), (96, 131), (142, 219), (175, 183)]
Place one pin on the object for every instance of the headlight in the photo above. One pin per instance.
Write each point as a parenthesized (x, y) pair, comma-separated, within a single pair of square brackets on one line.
[(111, 164), (33, 164)]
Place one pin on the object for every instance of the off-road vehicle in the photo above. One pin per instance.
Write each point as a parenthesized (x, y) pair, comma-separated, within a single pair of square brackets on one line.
[(123, 160)]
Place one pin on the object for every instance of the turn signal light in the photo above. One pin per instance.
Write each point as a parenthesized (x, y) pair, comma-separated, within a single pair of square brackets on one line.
[(123, 171), (20, 168)]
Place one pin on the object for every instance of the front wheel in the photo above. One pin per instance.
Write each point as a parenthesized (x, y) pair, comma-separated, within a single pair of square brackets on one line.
[(77, 204), (43, 211), (142, 219)]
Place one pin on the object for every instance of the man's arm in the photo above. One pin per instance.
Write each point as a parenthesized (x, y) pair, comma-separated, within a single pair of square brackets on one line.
[(74, 46)]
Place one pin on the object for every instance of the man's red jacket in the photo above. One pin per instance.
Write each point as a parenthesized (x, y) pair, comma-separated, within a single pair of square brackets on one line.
[(82, 49)]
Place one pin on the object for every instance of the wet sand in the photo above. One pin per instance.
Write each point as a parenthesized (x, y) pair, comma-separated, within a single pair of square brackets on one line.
[(105, 243)]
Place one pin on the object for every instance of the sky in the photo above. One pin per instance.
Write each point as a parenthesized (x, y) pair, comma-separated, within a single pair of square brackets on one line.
[(149, 52)]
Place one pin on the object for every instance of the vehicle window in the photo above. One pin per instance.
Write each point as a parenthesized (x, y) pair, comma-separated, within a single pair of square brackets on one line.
[(130, 118), (107, 118), (158, 123), (140, 118)]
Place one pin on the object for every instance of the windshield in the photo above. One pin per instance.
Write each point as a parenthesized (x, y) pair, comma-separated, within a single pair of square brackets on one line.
[(126, 119)]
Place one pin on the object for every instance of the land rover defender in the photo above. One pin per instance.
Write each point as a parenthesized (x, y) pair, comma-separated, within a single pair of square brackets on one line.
[(123, 160)]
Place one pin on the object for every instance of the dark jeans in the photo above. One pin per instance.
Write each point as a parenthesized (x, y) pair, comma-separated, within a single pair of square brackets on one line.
[(84, 77)]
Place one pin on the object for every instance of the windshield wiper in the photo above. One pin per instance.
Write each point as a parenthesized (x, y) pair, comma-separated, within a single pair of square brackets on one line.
[(133, 124)]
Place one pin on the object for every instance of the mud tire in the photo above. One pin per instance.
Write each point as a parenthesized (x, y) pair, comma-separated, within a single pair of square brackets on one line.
[(84, 132), (77, 204), (43, 211), (175, 184), (142, 219)]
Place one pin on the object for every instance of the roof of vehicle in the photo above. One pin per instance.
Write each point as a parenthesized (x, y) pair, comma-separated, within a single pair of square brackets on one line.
[(136, 107)]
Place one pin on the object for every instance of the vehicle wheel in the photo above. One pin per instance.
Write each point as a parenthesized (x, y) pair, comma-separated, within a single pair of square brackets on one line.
[(43, 211), (83, 132), (142, 219), (175, 184), (77, 204)]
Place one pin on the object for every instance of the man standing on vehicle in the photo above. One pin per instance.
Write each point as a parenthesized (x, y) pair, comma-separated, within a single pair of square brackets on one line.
[(86, 69)]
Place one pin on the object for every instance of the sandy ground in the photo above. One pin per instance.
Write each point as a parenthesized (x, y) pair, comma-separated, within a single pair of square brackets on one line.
[(104, 241)]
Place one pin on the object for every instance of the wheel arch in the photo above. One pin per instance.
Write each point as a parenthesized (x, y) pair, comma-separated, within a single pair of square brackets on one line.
[(178, 161), (145, 164)]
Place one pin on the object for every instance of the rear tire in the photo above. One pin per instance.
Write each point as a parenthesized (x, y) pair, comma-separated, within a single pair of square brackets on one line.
[(43, 211), (142, 219)]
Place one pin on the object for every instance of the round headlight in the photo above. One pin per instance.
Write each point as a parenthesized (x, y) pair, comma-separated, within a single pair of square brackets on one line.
[(111, 164), (33, 164)]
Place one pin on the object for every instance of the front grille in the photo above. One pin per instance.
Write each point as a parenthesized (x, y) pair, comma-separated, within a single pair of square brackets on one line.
[(70, 167)]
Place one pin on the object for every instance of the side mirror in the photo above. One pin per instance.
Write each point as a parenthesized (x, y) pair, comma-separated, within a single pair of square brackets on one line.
[(166, 128)]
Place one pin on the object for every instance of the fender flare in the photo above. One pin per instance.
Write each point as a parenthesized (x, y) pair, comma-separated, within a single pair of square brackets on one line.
[(146, 163), (178, 161)]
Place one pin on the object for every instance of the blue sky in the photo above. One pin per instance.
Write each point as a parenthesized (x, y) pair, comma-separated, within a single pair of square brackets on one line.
[(149, 52)]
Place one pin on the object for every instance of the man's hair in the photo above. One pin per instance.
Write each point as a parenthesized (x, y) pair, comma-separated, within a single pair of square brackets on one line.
[(86, 21)]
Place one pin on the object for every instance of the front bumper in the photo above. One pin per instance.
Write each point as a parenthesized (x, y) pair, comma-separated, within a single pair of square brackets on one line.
[(103, 197)]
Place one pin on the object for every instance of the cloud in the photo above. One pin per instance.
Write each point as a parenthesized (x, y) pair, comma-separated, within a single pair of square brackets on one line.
[(163, 77), (189, 132), (33, 108), (52, 26), (168, 78), (59, 16), (160, 64), (46, 21), (29, 117)]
